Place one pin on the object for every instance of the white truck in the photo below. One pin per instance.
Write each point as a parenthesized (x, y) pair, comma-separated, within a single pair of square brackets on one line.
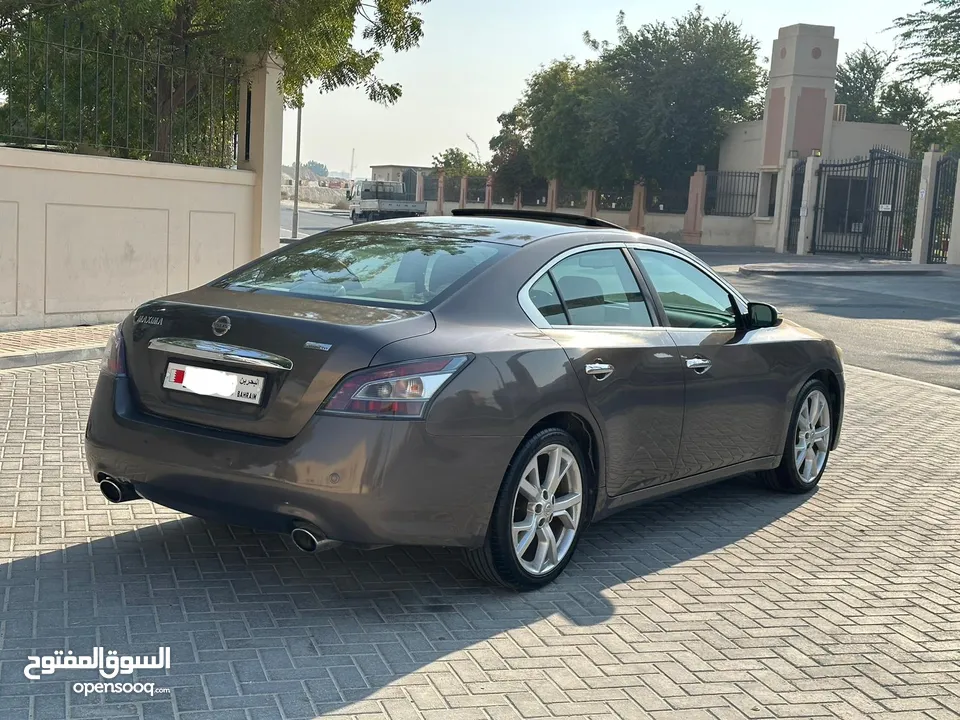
[(380, 199)]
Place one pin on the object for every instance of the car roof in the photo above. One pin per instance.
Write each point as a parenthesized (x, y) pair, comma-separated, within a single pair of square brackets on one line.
[(510, 230)]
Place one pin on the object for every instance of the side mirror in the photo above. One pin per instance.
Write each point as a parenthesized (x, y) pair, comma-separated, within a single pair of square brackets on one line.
[(762, 315)]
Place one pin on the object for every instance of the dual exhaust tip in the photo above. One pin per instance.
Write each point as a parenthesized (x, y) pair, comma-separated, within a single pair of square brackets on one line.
[(305, 537)]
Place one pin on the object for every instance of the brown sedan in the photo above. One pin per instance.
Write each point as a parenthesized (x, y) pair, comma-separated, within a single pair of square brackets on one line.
[(493, 381)]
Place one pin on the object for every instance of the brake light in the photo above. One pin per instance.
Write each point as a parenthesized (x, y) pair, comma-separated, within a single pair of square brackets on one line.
[(400, 390), (114, 360)]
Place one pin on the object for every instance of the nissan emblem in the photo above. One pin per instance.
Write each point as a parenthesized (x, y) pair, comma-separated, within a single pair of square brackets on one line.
[(221, 326)]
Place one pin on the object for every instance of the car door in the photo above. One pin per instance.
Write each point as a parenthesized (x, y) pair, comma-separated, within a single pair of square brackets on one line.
[(591, 302), (735, 398)]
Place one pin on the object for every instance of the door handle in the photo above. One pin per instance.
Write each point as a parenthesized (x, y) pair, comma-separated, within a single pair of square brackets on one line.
[(699, 365), (600, 370)]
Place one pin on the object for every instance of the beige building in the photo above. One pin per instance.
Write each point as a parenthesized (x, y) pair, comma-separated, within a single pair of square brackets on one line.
[(800, 115)]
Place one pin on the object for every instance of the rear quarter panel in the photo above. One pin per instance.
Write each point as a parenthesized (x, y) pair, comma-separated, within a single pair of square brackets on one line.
[(515, 380)]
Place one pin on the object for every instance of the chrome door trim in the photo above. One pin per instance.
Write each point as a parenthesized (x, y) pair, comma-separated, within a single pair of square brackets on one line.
[(697, 263), (222, 352), (523, 297)]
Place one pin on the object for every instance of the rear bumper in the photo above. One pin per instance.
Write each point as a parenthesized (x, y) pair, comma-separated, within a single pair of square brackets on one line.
[(361, 481)]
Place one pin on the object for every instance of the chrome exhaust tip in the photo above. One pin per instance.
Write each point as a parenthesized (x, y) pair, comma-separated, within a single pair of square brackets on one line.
[(305, 539), (117, 491), (310, 540)]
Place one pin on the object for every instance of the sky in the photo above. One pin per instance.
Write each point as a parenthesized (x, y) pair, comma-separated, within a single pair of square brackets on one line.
[(475, 57)]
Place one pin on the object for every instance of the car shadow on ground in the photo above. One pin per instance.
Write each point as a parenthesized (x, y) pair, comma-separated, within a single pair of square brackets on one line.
[(252, 622)]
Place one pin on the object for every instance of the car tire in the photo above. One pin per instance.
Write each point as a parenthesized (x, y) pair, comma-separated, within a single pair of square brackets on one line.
[(520, 503), (807, 447)]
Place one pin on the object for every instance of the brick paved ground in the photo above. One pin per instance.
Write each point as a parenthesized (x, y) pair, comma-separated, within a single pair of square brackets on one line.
[(36, 347), (729, 602)]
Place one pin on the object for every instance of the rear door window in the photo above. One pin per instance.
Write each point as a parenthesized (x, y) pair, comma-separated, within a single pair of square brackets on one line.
[(592, 288), (374, 268)]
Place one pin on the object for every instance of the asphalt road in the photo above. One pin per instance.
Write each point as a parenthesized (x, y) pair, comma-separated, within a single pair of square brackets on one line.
[(310, 221), (907, 326), (880, 323)]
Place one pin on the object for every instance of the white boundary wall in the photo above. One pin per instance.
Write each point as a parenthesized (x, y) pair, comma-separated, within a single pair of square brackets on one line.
[(85, 239)]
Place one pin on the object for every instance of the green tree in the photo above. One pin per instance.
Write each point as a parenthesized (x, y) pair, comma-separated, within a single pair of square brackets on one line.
[(684, 83), (458, 163), (861, 78), (512, 163), (318, 169), (932, 37), (653, 105), (187, 45), (866, 84)]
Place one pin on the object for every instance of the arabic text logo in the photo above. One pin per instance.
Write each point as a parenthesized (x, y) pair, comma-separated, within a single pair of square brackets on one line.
[(109, 663)]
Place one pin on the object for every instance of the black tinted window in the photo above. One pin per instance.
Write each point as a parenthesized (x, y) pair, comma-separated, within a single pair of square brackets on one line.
[(543, 294), (598, 288), (690, 297), (372, 267)]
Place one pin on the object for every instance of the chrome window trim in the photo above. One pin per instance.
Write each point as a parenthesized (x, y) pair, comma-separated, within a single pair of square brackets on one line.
[(531, 311), (210, 350), (699, 265), (526, 304)]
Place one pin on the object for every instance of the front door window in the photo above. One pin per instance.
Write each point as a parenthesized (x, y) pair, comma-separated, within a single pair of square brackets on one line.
[(690, 297)]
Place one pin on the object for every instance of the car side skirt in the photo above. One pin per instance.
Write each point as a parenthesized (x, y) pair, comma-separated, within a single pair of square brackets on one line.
[(615, 504)]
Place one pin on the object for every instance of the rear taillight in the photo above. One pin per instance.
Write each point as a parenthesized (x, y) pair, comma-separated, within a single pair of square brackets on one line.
[(114, 360), (400, 390)]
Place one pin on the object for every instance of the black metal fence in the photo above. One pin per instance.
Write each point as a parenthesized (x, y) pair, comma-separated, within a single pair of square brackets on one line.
[(431, 187), (451, 189), (569, 198), (944, 189), (476, 190), (66, 87), (502, 192), (796, 205), (867, 206), (672, 198), (616, 198), (731, 194), (535, 195)]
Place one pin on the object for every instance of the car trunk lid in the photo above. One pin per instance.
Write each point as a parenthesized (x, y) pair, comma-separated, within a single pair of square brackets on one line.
[(292, 350)]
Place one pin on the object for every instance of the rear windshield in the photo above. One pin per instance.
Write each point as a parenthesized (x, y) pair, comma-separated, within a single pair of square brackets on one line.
[(373, 268)]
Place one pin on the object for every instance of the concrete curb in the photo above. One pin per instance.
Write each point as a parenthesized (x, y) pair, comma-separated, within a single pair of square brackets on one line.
[(835, 270), (50, 357)]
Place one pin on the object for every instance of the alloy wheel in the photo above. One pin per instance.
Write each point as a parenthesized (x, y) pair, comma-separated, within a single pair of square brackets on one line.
[(547, 509), (813, 436)]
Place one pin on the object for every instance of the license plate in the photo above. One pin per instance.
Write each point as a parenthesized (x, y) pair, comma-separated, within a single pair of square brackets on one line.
[(214, 383)]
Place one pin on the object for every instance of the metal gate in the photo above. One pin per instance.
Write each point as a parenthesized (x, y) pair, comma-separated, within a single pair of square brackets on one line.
[(944, 188), (796, 202), (409, 178), (867, 207)]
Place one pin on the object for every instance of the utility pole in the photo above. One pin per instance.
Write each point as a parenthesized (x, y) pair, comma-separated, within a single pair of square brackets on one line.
[(353, 153), (294, 233)]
